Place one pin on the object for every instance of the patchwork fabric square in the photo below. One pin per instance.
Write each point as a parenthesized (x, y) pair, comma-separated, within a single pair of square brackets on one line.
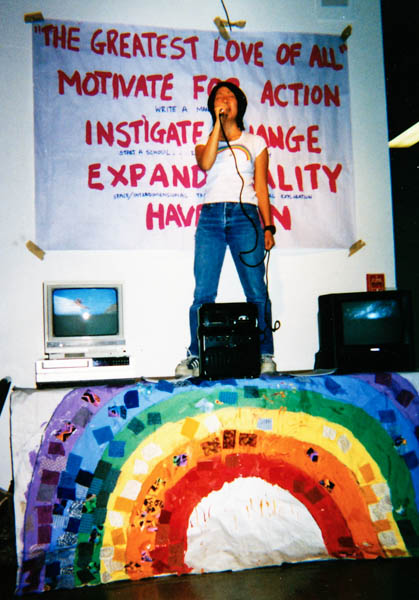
[(103, 435), (116, 449), (154, 418), (102, 469), (136, 426), (82, 417), (228, 397), (131, 399), (84, 478), (73, 463)]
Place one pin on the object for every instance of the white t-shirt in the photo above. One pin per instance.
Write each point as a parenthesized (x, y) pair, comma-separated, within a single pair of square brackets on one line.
[(223, 182)]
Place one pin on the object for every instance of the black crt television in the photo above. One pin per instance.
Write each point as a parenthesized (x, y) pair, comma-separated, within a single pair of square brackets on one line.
[(362, 332)]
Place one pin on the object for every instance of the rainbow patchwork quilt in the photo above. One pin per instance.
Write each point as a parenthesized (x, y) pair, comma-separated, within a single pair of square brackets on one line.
[(191, 476)]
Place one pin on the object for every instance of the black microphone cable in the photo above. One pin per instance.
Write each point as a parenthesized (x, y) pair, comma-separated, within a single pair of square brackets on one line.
[(267, 253), (254, 225), (277, 323)]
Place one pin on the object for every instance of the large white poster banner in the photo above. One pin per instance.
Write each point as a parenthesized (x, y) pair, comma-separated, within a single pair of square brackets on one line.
[(118, 110)]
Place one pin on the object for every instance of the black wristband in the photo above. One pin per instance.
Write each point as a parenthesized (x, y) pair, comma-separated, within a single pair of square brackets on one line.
[(270, 228)]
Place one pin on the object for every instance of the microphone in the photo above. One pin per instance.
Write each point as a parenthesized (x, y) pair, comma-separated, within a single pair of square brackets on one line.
[(222, 113)]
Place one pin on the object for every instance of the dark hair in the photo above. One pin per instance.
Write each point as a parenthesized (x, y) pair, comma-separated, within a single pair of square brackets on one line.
[(240, 97)]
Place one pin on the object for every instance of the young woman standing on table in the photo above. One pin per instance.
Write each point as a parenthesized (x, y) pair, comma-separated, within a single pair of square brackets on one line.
[(236, 200)]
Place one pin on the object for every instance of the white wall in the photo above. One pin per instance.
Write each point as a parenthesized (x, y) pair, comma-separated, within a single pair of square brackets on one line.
[(159, 285)]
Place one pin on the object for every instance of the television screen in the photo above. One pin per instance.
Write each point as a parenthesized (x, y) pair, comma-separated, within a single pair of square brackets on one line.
[(83, 319), (85, 311), (372, 322)]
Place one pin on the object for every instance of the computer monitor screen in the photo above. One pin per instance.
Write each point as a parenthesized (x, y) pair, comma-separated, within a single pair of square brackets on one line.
[(370, 322), (85, 311)]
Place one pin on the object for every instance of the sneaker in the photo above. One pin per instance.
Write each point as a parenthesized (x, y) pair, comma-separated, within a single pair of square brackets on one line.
[(188, 367), (267, 364)]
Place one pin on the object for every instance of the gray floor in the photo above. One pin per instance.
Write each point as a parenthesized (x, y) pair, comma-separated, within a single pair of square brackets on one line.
[(334, 580)]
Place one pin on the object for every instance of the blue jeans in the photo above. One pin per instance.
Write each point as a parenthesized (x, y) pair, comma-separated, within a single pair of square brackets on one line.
[(220, 225)]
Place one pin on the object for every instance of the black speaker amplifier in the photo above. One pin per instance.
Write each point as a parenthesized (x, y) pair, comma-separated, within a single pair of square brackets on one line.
[(228, 338)]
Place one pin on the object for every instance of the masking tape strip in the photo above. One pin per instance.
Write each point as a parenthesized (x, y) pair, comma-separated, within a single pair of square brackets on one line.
[(356, 246), (346, 33), (33, 17), (39, 253), (221, 26)]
